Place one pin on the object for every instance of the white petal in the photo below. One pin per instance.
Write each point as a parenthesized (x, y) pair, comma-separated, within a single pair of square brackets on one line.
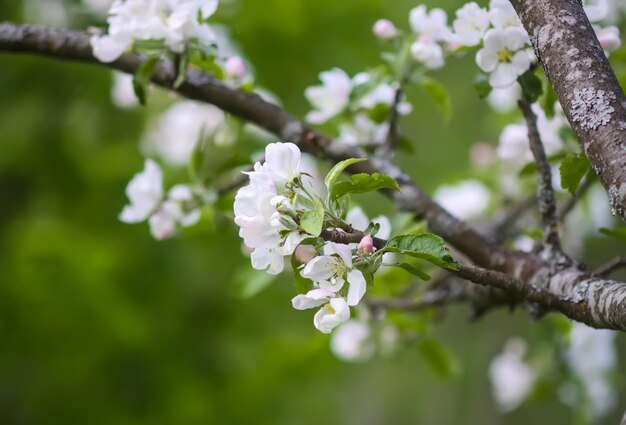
[(487, 60), (357, 287), (267, 259), (504, 75), (107, 49)]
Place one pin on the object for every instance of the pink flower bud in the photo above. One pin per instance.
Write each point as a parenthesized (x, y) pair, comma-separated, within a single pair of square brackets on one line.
[(384, 29), (305, 253), (235, 67), (366, 246)]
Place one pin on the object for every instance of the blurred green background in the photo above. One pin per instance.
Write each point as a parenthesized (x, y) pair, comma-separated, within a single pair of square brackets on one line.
[(101, 324)]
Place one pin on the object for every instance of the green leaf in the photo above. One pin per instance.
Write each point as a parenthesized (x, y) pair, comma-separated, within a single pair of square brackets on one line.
[(313, 220), (573, 169), (426, 246), (440, 360), (548, 99), (532, 88), (336, 171), (412, 269), (249, 282), (182, 61), (379, 113), (363, 183), (303, 285), (531, 168), (439, 94), (618, 233), (142, 78), (482, 86)]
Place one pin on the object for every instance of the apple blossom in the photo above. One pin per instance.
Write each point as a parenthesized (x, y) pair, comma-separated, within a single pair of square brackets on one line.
[(177, 131), (122, 93), (505, 55), (331, 315), (179, 209), (511, 378), (359, 220), (382, 94), (592, 357), (503, 15), (352, 341), (431, 27), (145, 191), (363, 131), (465, 200), (331, 270), (384, 29), (331, 98), (235, 67), (173, 22), (470, 25), (366, 245), (609, 38)]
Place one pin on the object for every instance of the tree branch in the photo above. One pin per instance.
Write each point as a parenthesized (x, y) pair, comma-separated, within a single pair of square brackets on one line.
[(585, 84), (610, 266), (598, 302), (545, 193)]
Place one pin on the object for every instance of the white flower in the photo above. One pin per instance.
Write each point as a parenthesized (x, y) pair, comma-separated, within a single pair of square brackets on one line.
[(363, 131), (178, 130), (513, 145), (465, 200), (331, 315), (263, 213), (144, 191), (429, 54), (178, 210), (352, 341), (505, 55), (429, 26), (382, 94), (608, 38), (329, 99), (592, 356), (313, 298), (470, 24), (511, 378), (384, 29), (597, 10), (331, 271), (504, 99), (173, 22), (503, 15), (122, 93)]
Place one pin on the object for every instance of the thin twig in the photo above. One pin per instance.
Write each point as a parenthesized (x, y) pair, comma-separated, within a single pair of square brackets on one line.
[(545, 193), (609, 267), (503, 227), (391, 142)]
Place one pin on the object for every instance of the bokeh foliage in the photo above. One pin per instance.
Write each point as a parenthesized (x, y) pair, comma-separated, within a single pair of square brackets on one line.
[(101, 324)]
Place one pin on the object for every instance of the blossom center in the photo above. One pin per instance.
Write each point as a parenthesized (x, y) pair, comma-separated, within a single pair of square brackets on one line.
[(504, 55)]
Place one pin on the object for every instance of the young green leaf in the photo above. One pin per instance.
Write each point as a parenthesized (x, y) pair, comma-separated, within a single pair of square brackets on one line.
[(336, 171), (142, 78), (532, 88), (426, 246), (618, 233), (482, 86), (313, 220), (440, 360), (412, 269), (303, 285), (249, 282), (363, 183), (439, 94), (573, 169)]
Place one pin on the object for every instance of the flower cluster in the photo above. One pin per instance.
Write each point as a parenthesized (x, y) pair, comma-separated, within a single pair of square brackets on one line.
[(165, 214), (172, 22)]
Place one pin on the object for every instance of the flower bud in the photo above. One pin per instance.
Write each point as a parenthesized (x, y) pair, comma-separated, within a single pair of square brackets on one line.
[(384, 29), (305, 253), (235, 67), (366, 246)]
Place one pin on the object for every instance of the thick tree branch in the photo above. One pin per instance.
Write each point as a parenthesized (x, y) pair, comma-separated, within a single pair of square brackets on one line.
[(585, 84), (597, 302)]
